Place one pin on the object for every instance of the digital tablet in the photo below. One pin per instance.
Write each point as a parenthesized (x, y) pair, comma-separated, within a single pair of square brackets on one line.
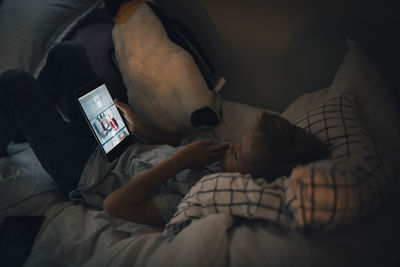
[(104, 119)]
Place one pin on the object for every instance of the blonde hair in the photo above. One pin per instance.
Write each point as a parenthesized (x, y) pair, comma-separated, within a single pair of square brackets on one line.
[(278, 146)]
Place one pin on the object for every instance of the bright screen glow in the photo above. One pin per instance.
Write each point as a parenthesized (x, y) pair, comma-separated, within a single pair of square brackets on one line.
[(104, 117)]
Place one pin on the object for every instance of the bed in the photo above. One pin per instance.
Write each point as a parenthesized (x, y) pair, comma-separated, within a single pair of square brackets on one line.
[(314, 65)]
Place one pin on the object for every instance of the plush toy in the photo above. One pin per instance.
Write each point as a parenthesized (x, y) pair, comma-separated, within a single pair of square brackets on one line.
[(164, 84)]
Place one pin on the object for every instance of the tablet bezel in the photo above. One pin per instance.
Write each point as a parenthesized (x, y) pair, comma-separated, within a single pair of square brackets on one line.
[(125, 143)]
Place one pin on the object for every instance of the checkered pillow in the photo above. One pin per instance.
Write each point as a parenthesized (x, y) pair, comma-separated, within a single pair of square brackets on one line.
[(331, 193)]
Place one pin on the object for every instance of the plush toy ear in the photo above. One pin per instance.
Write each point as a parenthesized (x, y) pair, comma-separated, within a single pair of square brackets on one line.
[(113, 6), (122, 10)]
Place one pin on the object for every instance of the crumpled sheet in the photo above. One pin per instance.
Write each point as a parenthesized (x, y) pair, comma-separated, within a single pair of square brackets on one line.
[(25, 187), (77, 236)]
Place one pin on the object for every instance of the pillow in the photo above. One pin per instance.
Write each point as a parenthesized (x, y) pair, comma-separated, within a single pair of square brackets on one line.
[(353, 183), (236, 119), (29, 29), (378, 108), (305, 103), (163, 82), (356, 74)]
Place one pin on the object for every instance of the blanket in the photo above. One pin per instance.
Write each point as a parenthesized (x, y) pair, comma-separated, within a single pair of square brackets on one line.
[(238, 196), (94, 238)]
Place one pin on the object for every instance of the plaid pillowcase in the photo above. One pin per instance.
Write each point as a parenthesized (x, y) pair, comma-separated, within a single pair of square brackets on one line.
[(331, 193), (235, 194)]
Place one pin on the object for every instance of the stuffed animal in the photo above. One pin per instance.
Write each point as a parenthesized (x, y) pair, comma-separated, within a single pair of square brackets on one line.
[(164, 84)]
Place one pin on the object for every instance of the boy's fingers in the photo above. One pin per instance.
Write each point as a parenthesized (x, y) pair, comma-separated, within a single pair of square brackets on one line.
[(222, 147), (217, 154), (204, 142), (216, 158), (117, 103), (120, 105)]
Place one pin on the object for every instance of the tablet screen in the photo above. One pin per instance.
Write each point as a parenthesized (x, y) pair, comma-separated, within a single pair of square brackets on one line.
[(104, 117)]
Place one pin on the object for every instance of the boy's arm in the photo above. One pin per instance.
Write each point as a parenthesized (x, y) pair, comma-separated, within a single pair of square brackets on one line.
[(154, 134), (131, 201)]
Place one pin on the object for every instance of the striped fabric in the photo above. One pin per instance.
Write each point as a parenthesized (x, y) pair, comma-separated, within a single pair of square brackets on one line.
[(235, 194), (322, 195)]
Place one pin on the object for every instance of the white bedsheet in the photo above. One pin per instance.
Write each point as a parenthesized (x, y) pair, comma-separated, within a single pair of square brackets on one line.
[(25, 187), (77, 236)]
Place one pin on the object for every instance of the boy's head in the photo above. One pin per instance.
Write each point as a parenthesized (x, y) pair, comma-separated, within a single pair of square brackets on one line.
[(273, 148)]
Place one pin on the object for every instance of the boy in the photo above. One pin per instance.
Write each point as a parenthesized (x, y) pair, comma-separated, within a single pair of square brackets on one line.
[(271, 149)]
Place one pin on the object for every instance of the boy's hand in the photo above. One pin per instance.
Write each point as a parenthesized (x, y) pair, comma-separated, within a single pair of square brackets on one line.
[(200, 153), (132, 119)]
